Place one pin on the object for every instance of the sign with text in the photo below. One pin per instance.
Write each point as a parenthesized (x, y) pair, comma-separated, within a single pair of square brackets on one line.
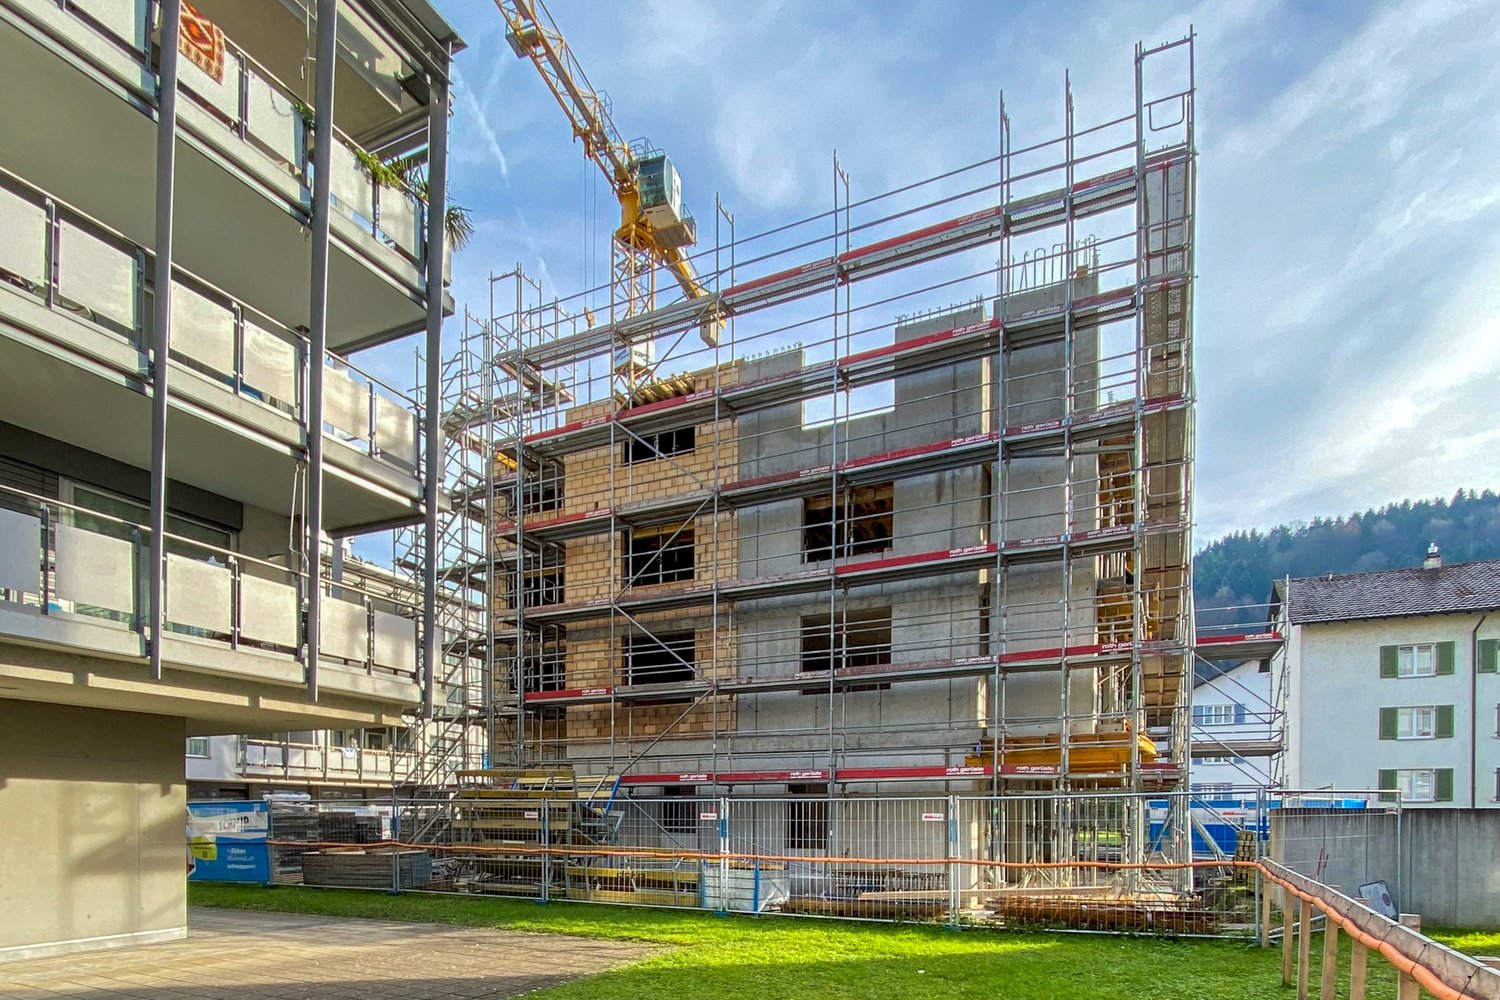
[(227, 842)]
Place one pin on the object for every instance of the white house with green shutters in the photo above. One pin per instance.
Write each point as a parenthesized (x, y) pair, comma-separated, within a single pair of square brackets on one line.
[(1391, 682)]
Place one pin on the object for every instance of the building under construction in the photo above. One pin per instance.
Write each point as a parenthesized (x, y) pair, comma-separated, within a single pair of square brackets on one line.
[(822, 531)]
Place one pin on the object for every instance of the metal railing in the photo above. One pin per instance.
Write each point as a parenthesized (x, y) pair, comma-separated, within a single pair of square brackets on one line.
[(78, 266), (64, 560), (319, 762)]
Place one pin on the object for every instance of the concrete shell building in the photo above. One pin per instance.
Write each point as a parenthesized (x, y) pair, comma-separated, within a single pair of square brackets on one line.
[(878, 546), (195, 234)]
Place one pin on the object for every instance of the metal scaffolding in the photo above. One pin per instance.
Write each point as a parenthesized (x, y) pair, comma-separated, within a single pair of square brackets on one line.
[(859, 543)]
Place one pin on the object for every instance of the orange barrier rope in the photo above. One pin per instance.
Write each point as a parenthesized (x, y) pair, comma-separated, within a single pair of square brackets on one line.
[(1403, 963), (545, 851)]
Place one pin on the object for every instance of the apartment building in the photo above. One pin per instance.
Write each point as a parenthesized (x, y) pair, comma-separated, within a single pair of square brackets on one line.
[(1236, 727), (917, 550), (198, 224), (1392, 683)]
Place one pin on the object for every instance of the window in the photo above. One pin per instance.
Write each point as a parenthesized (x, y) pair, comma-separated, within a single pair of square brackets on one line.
[(1426, 659), (807, 819), (1416, 661), (1422, 784), (197, 746), (1418, 722), (543, 580), (1218, 715), (849, 639), (679, 809), (1216, 760), (659, 445), (1213, 788), (542, 489), (543, 667), (660, 659), (662, 553), (854, 523)]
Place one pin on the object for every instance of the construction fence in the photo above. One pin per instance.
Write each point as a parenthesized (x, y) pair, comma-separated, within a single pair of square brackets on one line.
[(1115, 862)]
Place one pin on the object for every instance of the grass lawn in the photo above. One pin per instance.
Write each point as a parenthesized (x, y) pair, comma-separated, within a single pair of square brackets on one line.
[(766, 958)]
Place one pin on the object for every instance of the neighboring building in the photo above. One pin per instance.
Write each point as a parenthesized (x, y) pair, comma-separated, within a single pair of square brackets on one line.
[(179, 421), (1392, 682), (1236, 727)]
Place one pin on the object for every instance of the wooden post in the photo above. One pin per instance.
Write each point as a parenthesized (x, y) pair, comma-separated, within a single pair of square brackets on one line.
[(1304, 948), (1406, 986), (1265, 911), (1287, 902), (1330, 958), (1358, 966)]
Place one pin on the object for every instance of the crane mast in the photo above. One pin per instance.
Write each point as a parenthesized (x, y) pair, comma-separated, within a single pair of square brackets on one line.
[(655, 230)]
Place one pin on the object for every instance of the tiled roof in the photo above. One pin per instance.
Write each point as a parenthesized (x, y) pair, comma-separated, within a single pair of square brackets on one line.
[(1473, 586)]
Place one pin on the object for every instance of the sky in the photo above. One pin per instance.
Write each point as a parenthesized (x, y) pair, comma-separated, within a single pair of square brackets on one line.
[(1347, 315)]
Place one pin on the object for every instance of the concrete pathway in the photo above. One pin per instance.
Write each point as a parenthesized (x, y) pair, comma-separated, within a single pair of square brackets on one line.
[(233, 955)]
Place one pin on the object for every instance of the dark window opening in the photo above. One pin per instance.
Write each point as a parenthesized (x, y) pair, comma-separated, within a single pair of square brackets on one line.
[(854, 523), (807, 819), (679, 809), (659, 445), (543, 580), (662, 553), (542, 489), (854, 639), (660, 659), (544, 664)]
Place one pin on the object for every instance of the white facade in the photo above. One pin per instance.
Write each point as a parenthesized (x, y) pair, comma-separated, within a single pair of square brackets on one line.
[(1231, 712), (1432, 728)]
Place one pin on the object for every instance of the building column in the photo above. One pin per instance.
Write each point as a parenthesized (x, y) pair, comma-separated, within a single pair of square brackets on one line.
[(437, 204), (317, 334), (166, 177)]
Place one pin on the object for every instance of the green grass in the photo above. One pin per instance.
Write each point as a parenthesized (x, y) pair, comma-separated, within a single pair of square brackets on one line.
[(730, 958)]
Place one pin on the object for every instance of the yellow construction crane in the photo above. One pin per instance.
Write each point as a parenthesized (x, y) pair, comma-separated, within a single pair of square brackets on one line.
[(655, 230)]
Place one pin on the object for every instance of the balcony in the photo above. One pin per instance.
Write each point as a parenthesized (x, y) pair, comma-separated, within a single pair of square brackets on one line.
[(275, 760), (80, 75), (75, 306), (73, 580)]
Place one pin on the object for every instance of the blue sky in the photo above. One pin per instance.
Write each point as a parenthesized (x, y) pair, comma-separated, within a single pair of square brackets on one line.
[(1348, 310)]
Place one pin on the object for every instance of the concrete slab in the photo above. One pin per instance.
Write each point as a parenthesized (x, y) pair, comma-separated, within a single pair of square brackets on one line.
[(230, 955)]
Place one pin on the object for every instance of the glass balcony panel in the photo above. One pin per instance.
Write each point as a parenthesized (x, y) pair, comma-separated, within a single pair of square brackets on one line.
[(395, 431), (221, 96), (124, 19), (23, 241), (401, 221), (99, 277), (202, 329), (270, 612), (199, 594), (352, 187), (273, 121), (20, 552), (272, 366), (95, 570), (395, 641), (346, 404), (346, 630)]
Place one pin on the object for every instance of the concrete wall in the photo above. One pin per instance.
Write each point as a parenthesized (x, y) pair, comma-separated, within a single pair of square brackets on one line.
[(1441, 863), (1336, 693), (92, 819)]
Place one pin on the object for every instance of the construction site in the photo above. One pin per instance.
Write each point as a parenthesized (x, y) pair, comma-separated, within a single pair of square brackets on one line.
[(863, 539)]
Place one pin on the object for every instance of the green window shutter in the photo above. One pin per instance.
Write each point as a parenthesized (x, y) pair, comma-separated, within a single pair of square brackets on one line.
[(1387, 779), (1445, 722), (1388, 661), (1489, 656), (1444, 783), (1445, 658), (1387, 723)]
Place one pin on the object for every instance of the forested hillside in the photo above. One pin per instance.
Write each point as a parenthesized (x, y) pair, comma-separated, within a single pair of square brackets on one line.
[(1238, 569)]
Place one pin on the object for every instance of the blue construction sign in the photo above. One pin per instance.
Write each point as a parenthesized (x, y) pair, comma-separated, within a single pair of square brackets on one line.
[(227, 842)]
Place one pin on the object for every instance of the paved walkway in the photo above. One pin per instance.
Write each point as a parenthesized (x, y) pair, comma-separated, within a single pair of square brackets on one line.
[(232, 955)]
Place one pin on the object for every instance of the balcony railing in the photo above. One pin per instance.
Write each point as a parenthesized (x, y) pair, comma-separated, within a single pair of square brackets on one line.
[(60, 559), (261, 758), (78, 266), (255, 108)]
